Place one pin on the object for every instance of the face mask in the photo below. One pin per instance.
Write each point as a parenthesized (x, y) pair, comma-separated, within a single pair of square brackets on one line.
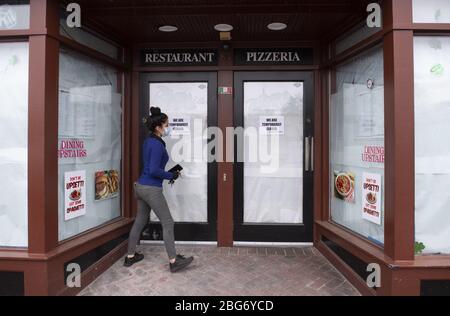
[(166, 131)]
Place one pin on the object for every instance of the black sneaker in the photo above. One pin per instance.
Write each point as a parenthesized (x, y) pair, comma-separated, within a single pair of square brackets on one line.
[(130, 261), (180, 263)]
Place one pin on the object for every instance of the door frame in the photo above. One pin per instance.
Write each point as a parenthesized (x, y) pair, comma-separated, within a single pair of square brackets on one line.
[(185, 231), (274, 232)]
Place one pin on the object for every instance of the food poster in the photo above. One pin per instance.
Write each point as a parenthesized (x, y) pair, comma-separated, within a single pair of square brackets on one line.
[(106, 184), (371, 197), (344, 186), (75, 194)]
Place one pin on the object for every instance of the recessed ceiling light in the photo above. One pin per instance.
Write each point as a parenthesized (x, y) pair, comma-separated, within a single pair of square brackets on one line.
[(168, 28), (277, 26), (223, 27)]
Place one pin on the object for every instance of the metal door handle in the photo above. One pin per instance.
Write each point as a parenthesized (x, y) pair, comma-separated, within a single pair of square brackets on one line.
[(307, 153), (312, 153)]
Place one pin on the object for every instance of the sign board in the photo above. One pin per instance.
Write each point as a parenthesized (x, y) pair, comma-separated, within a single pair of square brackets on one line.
[(271, 125), (371, 197), (182, 57), (274, 56), (180, 125), (74, 194)]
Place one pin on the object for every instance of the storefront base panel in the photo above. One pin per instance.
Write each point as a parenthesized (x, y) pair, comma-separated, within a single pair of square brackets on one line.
[(351, 255), (46, 274)]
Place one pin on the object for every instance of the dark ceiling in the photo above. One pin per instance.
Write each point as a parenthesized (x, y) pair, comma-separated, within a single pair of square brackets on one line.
[(138, 20)]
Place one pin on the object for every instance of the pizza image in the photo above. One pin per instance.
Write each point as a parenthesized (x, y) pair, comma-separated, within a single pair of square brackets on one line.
[(343, 184)]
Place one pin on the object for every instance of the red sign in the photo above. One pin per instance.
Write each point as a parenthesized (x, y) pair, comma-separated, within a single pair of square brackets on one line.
[(71, 148), (373, 154)]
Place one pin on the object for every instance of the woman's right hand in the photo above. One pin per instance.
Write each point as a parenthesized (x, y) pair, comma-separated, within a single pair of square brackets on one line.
[(176, 175)]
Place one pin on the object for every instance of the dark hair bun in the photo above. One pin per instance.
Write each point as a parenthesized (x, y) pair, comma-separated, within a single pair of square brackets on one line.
[(157, 118), (155, 111)]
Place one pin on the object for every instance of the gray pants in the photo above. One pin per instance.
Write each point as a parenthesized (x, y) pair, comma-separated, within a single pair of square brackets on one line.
[(152, 198)]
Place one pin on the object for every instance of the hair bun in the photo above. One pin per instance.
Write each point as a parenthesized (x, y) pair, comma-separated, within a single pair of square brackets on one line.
[(155, 111)]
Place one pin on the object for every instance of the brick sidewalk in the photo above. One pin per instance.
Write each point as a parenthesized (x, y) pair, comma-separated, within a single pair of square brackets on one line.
[(226, 272)]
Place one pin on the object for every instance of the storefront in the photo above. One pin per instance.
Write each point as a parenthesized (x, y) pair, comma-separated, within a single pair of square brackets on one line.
[(362, 164)]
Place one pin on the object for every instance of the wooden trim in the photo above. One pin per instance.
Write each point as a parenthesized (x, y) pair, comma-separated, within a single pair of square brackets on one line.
[(85, 50), (81, 243), (136, 120), (348, 273), (353, 243), (318, 150), (42, 144), (225, 197), (226, 68), (399, 145), (96, 270)]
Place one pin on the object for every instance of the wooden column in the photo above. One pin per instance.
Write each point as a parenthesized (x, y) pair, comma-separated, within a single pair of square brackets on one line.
[(399, 132), (43, 128), (225, 185)]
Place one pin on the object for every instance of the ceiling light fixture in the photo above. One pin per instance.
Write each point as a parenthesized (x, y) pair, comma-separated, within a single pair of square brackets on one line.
[(168, 28), (223, 27), (277, 26)]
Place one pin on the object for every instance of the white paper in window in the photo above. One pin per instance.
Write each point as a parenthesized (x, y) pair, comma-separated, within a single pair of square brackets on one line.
[(92, 138), (14, 144), (431, 11), (188, 197), (274, 196), (357, 138), (432, 145)]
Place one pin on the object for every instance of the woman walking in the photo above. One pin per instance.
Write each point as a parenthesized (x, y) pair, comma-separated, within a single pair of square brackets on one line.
[(149, 193)]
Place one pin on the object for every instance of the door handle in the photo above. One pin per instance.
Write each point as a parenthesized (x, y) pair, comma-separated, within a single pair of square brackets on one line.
[(307, 153), (312, 153)]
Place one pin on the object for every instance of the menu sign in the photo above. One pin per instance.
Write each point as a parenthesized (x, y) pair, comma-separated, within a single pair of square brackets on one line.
[(274, 56), (74, 194), (185, 57), (371, 198)]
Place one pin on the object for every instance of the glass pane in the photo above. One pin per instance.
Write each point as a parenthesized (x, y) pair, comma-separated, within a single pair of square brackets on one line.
[(14, 15), (186, 104), (432, 145), (354, 37), (88, 38), (357, 146), (90, 143), (273, 181), (431, 11), (14, 144)]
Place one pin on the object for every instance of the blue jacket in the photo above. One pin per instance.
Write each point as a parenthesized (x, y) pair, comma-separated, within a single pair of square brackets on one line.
[(155, 159)]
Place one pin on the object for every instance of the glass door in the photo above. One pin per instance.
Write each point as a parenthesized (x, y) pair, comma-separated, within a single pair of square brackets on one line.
[(189, 99), (273, 173)]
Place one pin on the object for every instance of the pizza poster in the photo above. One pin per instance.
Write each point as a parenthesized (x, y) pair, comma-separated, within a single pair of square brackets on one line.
[(344, 186), (74, 194), (371, 197)]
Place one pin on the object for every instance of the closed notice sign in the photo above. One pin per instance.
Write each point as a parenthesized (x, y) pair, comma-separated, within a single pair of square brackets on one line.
[(271, 125), (180, 125)]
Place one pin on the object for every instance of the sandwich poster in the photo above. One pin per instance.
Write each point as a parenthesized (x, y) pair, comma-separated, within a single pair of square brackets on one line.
[(106, 184), (371, 198), (74, 194)]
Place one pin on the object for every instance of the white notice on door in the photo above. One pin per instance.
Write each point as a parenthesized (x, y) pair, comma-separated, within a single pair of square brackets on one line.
[(271, 125), (180, 125)]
